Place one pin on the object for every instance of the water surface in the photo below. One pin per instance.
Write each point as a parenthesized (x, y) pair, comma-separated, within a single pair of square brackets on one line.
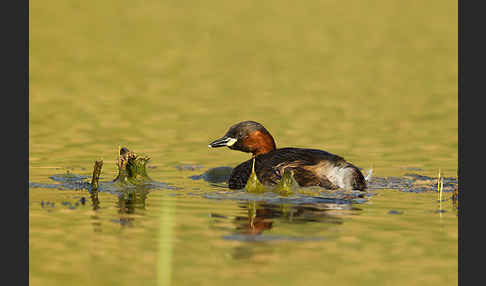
[(375, 82)]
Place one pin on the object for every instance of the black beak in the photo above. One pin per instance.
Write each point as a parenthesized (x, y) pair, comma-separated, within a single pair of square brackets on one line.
[(221, 142)]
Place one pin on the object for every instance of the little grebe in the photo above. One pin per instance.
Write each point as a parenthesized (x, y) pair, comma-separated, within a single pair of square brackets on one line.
[(310, 167)]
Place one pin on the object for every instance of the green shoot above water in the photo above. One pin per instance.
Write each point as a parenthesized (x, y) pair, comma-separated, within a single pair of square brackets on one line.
[(285, 187), (253, 185)]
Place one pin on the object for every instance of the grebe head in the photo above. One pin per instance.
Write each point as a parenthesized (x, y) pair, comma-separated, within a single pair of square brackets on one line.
[(247, 136)]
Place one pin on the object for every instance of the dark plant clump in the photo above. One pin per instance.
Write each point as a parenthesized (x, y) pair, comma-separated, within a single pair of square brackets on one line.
[(131, 168)]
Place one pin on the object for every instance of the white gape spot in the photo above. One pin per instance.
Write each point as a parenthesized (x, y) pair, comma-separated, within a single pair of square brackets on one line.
[(231, 141)]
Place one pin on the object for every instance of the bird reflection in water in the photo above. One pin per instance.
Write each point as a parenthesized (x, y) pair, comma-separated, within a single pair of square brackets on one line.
[(258, 219), (263, 216)]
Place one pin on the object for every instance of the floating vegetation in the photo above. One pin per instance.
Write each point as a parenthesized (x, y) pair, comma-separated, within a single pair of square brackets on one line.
[(132, 174), (253, 185), (131, 168), (287, 185)]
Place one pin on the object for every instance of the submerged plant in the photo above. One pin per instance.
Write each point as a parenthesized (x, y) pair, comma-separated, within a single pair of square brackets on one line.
[(253, 185)]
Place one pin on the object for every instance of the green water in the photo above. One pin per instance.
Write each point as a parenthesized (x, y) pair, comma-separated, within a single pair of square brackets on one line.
[(373, 81)]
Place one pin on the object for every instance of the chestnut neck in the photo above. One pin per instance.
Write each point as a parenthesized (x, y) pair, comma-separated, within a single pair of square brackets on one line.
[(259, 143)]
